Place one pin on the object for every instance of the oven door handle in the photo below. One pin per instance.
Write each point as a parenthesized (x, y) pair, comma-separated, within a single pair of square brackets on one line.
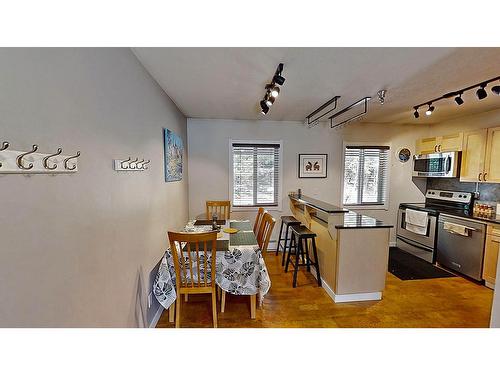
[(414, 244)]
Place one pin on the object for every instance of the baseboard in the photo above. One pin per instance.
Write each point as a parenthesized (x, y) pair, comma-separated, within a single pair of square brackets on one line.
[(392, 244), (355, 297), (156, 318), (272, 245)]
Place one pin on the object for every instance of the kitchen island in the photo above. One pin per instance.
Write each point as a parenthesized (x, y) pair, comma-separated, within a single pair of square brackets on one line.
[(353, 249)]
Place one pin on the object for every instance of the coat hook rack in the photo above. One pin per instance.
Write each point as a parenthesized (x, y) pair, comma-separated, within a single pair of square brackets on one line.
[(33, 162), (129, 165)]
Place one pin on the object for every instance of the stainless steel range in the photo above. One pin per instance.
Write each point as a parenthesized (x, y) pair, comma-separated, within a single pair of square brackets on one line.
[(449, 236)]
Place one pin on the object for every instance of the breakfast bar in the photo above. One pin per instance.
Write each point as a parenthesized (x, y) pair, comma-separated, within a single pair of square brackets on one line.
[(353, 248)]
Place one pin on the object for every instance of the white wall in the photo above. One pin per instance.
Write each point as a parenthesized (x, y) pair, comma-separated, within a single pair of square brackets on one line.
[(76, 250), (209, 160)]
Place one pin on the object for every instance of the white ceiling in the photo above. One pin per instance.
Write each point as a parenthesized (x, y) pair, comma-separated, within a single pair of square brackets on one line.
[(227, 83)]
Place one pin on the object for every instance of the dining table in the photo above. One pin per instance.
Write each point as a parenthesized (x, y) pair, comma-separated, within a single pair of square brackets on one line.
[(240, 267)]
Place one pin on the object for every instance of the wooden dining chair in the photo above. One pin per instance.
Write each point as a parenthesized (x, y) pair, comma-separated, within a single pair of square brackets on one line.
[(191, 266), (258, 220), (266, 228), (221, 208)]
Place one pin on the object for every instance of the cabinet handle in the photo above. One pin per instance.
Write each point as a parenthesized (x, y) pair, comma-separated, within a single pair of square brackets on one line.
[(479, 176), (439, 148), (435, 148), (484, 176)]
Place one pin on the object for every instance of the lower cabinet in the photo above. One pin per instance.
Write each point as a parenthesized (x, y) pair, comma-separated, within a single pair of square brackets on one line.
[(491, 255)]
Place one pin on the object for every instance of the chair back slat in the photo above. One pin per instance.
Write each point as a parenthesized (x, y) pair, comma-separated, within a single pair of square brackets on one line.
[(258, 220), (221, 208), (190, 243), (265, 231)]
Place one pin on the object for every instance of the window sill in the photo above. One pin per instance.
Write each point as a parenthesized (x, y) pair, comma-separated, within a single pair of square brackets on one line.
[(255, 208), (363, 207)]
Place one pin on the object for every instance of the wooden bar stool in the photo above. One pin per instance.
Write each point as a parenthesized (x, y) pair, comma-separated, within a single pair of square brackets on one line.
[(286, 221), (299, 244)]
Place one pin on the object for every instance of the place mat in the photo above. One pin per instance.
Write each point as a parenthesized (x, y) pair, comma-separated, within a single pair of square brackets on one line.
[(209, 222), (242, 238), (231, 230), (241, 225)]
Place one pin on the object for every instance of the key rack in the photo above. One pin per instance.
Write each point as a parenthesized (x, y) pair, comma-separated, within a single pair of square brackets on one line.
[(129, 165), (33, 162)]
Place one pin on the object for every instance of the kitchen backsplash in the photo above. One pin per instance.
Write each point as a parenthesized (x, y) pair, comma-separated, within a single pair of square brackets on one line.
[(488, 192)]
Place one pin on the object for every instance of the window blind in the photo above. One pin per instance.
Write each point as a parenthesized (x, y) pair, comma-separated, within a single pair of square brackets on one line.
[(366, 175), (255, 174)]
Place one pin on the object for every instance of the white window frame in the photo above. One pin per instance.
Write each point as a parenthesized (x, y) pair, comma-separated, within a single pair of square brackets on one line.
[(280, 174), (385, 206)]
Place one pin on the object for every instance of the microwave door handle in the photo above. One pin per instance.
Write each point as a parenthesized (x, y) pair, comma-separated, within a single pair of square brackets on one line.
[(448, 164)]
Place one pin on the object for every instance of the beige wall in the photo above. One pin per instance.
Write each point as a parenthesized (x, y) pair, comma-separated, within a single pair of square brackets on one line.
[(76, 250), (209, 160)]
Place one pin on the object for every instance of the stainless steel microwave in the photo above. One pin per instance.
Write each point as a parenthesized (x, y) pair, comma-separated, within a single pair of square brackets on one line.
[(442, 164)]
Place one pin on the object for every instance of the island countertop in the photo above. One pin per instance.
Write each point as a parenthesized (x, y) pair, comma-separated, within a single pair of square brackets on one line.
[(354, 220), (348, 219), (315, 203)]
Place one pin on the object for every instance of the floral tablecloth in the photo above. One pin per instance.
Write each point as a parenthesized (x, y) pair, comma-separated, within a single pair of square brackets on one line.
[(240, 270)]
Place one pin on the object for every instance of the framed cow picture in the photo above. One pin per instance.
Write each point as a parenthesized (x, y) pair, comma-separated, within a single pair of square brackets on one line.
[(313, 165)]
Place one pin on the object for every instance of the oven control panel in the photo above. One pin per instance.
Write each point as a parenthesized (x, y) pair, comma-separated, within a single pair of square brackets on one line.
[(452, 196)]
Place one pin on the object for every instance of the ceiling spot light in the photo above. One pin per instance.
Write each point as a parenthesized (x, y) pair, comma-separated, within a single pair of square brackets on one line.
[(264, 107), (459, 99), (481, 92), (429, 110), (269, 100), (275, 91), (495, 90), (416, 114)]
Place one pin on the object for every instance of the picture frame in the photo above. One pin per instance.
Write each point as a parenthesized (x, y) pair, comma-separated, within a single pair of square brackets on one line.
[(173, 151), (313, 166)]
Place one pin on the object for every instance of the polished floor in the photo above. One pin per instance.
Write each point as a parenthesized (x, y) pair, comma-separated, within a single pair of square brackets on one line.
[(448, 302)]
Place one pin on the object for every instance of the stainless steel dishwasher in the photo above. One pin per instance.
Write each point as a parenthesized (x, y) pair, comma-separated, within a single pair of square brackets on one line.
[(461, 252)]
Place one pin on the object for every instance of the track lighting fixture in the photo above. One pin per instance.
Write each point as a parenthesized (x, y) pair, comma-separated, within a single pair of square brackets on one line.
[(272, 90), (459, 99), (480, 94), (264, 107)]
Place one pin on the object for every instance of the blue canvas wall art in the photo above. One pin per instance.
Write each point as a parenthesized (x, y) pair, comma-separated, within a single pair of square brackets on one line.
[(173, 156)]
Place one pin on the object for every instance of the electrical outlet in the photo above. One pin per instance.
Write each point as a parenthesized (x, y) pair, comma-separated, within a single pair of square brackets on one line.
[(150, 300)]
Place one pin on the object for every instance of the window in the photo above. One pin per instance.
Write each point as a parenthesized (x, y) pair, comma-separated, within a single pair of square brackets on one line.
[(256, 174), (365, 175)]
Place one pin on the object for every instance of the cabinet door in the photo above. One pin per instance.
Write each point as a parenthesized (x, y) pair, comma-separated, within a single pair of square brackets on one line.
[(426, 146), (491, 259), (473, 154), (492, 164), (451, 142)]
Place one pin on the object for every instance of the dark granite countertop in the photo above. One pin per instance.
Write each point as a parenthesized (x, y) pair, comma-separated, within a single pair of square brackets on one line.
[(353, 220), (319, 205)]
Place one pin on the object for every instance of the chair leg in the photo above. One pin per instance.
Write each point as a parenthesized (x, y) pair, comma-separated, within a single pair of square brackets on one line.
[(286, 240), (214, 307), (253, 302), (223, 302), (308, 261), (178, 312), (171, 313), (316, 261), (279, 240)]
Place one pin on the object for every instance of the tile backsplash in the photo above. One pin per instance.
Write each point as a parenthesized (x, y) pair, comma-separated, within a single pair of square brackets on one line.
[(488, 192)]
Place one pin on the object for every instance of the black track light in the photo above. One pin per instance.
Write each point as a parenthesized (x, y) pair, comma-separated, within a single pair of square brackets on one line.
[(481, 92), (275, 91), (279, 79), (459, 99), (429, 110), (416, 114), (495, 90), (264, 107)]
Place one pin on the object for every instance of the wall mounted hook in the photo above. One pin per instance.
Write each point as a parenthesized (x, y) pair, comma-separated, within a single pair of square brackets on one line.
[(5, 146), (126, 161), (45, 161), (133, 162), (146, 162), (68, 159), (19, 159)]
